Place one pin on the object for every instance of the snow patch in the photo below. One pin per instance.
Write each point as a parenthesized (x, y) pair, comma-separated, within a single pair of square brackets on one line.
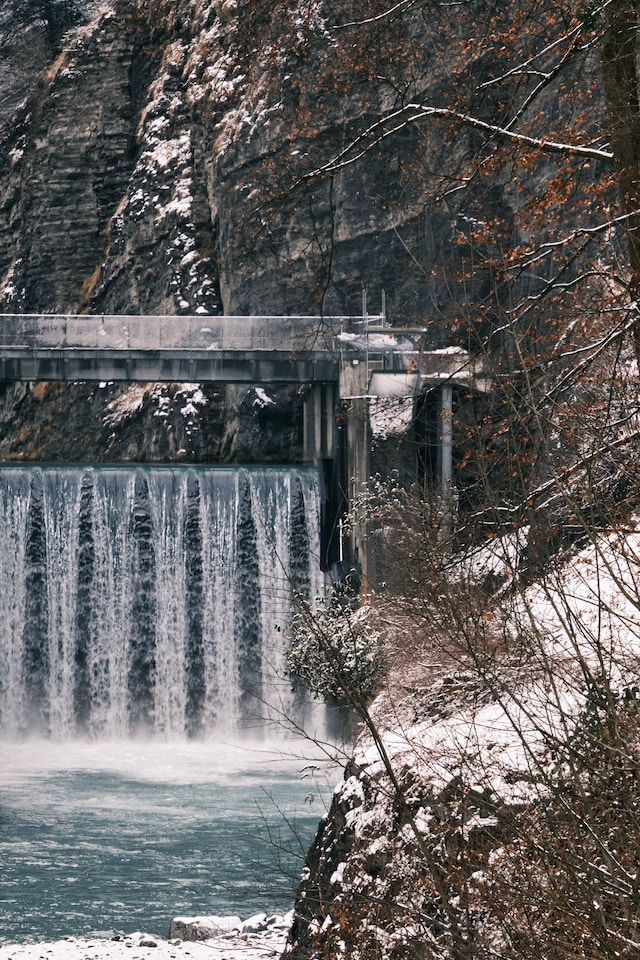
[(390, 416), (262, 399), (127, 405), (247, 940)]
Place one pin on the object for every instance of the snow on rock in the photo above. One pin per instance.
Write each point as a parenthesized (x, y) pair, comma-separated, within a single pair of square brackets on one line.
[(128, 404), (390, 416), (193, 398), (185, 398), (256, 938), (202, 928), (208, 928), (262, 398), (453, 761)]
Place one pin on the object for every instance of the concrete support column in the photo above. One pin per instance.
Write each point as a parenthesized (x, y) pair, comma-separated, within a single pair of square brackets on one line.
[(354, 389), (319, 406), (446, 460), (311, 425), (329, 400)]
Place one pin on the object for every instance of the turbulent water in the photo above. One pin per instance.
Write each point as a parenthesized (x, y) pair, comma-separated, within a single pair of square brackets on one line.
[(125, 836), (150, 600)]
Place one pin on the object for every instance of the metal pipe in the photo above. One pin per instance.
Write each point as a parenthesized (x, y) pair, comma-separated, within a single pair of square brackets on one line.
[(446, 459)]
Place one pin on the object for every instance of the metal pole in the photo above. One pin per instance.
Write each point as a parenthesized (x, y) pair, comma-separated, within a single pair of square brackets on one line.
[(446, 459)]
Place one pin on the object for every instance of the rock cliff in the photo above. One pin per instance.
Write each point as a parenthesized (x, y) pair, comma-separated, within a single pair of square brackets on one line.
[(111, 422), (160, 165), (139, 175), (157, 167)]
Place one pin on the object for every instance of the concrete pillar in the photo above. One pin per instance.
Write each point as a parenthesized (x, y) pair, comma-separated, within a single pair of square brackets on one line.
[(329, 399), (446, 460), (319, 407), (311, 443), (354, 404)]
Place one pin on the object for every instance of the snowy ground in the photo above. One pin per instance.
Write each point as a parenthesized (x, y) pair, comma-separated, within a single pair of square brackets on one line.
[(140, 946)]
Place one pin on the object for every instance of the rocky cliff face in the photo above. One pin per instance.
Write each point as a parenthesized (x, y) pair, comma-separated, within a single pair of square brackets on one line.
[(162, 164), (67, 171), (110, 422), (104, 203), (159, 166), (154, 170)]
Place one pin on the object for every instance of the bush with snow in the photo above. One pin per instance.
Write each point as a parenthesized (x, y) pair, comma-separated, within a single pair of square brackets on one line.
[(492, 805), (336, 651)]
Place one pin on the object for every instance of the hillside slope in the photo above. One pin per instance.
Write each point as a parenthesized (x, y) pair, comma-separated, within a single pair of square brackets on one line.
[(491, 806)]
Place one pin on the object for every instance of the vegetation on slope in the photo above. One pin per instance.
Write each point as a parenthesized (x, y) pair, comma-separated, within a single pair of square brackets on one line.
[(492, 806)]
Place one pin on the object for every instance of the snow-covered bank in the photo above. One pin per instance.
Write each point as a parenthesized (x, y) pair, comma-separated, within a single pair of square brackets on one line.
[(235, 942), (493, 800)]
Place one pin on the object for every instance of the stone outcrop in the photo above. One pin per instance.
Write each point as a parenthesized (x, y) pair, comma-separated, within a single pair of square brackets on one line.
[(111, 422), (161, 167), (32, 33), (69, 164)]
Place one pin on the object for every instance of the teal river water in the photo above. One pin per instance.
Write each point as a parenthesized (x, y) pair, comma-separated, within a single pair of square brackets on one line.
[(124, 836)]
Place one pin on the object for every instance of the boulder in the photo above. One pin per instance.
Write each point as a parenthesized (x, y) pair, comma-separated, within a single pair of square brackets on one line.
[(203, 928)]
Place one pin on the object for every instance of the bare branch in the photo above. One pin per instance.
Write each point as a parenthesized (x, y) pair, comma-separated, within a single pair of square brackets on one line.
[(376, 133)]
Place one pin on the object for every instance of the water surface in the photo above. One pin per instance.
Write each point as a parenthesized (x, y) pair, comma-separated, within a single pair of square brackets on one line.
[(123, 836)]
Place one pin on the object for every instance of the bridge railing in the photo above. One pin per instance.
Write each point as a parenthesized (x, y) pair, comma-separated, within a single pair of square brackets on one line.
[(152, 333)]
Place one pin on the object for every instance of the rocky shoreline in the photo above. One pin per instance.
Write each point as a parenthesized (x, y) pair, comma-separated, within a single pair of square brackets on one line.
[(202, 938)]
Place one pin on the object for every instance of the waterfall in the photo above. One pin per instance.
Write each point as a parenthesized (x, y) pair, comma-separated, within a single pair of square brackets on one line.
[(151, 600)]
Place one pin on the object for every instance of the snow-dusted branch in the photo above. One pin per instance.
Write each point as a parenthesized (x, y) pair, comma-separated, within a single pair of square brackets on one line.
[(398, 120)]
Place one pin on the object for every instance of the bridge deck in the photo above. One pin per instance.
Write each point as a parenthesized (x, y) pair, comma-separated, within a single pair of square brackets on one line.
[(154, 348), (121, 332), (259, 349)]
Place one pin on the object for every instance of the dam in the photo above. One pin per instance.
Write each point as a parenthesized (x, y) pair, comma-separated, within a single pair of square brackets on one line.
[(144, 630), (341, 364)]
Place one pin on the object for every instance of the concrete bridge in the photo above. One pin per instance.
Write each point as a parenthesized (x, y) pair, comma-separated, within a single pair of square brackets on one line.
[(174, 349), (191, 349), (344, 365)]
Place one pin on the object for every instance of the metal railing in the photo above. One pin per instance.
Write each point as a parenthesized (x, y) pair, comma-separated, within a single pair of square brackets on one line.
[(153, 333)]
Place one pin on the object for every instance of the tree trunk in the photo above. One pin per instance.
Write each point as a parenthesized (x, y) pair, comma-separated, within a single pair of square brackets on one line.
[(620, 75)]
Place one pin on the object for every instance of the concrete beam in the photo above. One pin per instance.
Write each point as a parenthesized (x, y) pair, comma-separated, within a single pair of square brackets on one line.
[(232, 366)]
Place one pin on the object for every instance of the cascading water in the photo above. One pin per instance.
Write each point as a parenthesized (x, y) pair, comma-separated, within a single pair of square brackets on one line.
[(151, 600), (143, 630)]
